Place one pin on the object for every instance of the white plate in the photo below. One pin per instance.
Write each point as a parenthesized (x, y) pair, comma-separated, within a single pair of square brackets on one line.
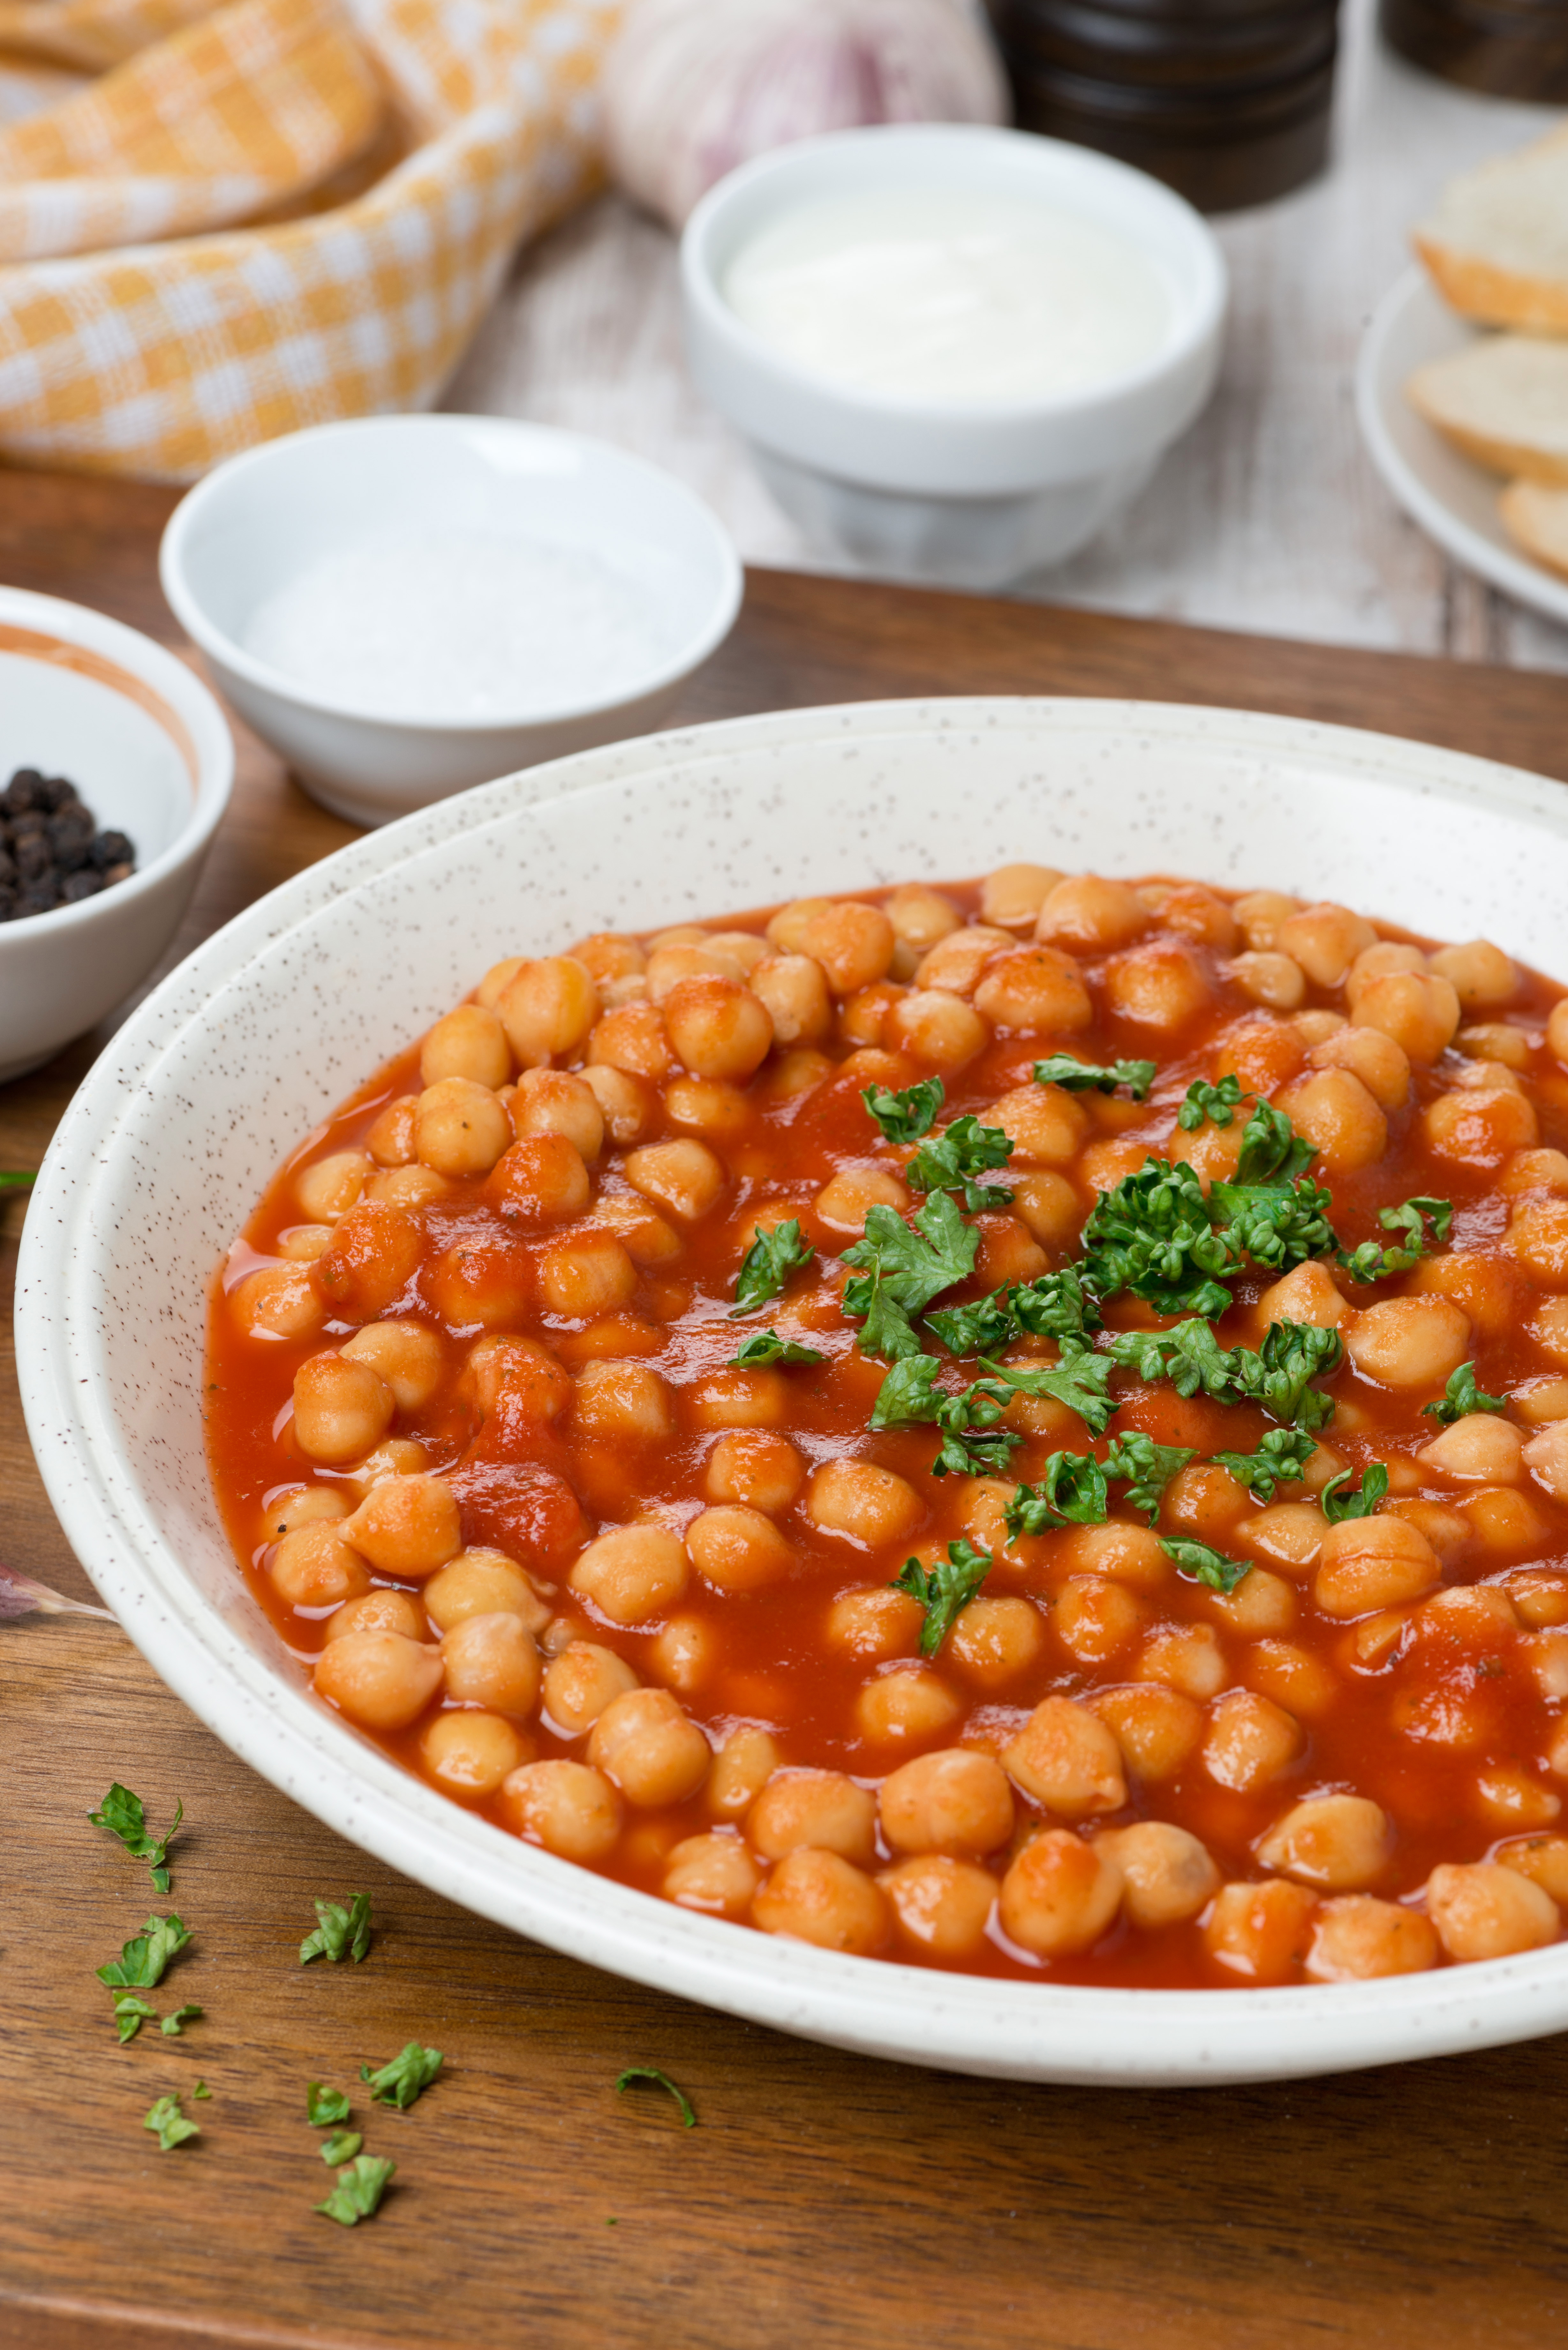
[(164, 1150), (1452, 499)]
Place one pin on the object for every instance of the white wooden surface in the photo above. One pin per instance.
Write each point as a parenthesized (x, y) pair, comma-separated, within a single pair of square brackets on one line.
[(1268, 517)]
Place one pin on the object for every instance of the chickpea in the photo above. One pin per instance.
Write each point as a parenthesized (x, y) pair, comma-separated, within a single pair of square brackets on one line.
[(904, 1704), (1088, 916), (1341, 1843), (685, 1654), (627, 1401), (1194, 911), (1540, 1596), (406, 1526), (376, 1251), (497, 979), (1379, 962), (1068, 1760), (1358, 1939), (737, 1549), (607, 955), (1542, 1859), (1557, 1031), (633, 1039), (404, 1187), (1511, 1799), (1487, 1288), (1012, 897), (641, 1231), (853, 942), (317, 1566), (390, 1141), (1261, 1604), (1060, 1893), (683, 1177), (1541, 1400), (1314, 1027), (823, 1809), (468, 1043), (1214, 1151), (547, 1008), (1419, 1009), (1367, 1564), (1049, 1206), (1306, 1293), (877, 1624), (1295, 1677), (866, 1505), (378, 1679), (1488, 1911), (1046, 1125), (1382, 1065), (1538, 1236), (1186, 1658), (623, 1103), (1261, 913), (569, 1808), (1535, 1170), (955, 1802), (329, 1187), (942, 1906), (399, 1456), (745, 947), (1339, 1117), (302, 1243), (1481, 1077), (1274, 980), (1410, 1342), (1205, 1500), (550, 1102), (955, 964), (994, 1641), (938, 1029), (1095, 1618), (482, 1583), (1160, 985), (340, 1409), (718, 1027), (645, 1745), (1251, 1742), (1479, 974), (1127, 1553), (494, 1661), (525, 1374), (1035, 990), (1156, 1728), (580, 1682), (714, 1874), (540, 1178), (281, 1301), (459, 1127), (787, 928), (738, 1398), (1264, 1053), (758, 1470), (1289, 1532), (1479, 1447), (1480, 1128), (846, 1198), (818, 1898), (634, 1573), (469, 1755), (1260, 1930), (1495, 1040), (1169, 1874), (587, 1275), (742, 1768), (1546, 1458), (670, 966), (1324, 940), (407, 1355), (379, 1611), (793, 991)]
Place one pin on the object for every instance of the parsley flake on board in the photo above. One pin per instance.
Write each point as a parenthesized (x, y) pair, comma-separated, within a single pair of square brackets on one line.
[(1340, 1499), (141, 1960), (1200, 1563), (1371, 1263), (404, 2080), (1078, 1380), (1281, 1459), (767, 1346), (200, 2090), (944, 1590), (767, 1265), (358, 2192), (123, 1814), (900, 1271), (169, 2124), (130, 2012), (1075, 1076), (173, 2024), (634, 2074), (1070, 1492), (973, 1444), (342, 1931), (16, 1179), (951, 1161), (341, 2147), (1461, 1397), (324, 2106), (905, 1116), (1218, 1103), (1146, 1468)]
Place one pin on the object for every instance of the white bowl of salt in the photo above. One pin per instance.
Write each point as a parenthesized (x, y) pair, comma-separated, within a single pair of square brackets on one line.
[(406, 605)]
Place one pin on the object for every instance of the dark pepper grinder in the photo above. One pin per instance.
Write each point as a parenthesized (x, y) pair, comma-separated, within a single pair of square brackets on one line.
[(1227, 101), (1510, 48)]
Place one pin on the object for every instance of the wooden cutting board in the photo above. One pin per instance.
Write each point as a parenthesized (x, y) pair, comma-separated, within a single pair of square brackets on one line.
[(823, 2199)]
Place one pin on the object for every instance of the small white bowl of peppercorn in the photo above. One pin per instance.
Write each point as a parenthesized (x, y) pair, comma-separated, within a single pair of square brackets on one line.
[(116, 766)]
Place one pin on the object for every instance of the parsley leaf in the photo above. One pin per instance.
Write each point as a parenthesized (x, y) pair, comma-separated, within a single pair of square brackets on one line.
[(1340, 1499), (1056, 1306), (130, 2012), (950, 1161), (1271, 1151), (358, 2192), (1078, 1380), (14, 1179), (121, 1814), (324, 2105), (903, 1117), (1216, 1103), (200, 2090), (1460, 1397), (1281, 1459), (405, 2079), (1370, 1262), (141, 1961), (1072, 1490), (635, 2072), (341, 1933), (169, 2124), (1190, 1357), (945, 1590), (341, 2147), (174, 2024), (1277, 1225), (767, 1346), (1077, 1076), (1147, 1467), (1277, 1376), (767, 1265), (901, 1271), (972, 1444), (1153, 1235), (1198, 1564)]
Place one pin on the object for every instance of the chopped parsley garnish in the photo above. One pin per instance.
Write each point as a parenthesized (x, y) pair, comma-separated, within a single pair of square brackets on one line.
[(651, 2072), (405, 2079), (323, 2106), (1460, 1397), (169, 2124), (1216, 1102), (767, 1346), (1371, 1263), (943, 1590), (1340, 1499), (1078, 1380), (972, 1444), (1277, 1225), (1200, 1563), (900, 1271), (1277, 1376), (16, 1179), (121, 1814), (141, 1961), (358, 2192), (1070, 1492), (903, 1117), (1056, 1306), (1271, 1151), (130, 2012), (767, 1265), (1077, 1076), (341, 1932), (950, 1161), (174, 2023), (341, 2147), (1153, 1235), (1146, 1468), (1281, 1459)]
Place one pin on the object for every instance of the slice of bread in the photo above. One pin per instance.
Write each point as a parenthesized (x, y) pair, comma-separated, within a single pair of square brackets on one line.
[(1537, 518), (1497, 242), (1504, 401)]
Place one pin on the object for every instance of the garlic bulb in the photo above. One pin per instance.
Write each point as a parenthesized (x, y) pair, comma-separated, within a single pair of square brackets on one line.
[(694, 86)]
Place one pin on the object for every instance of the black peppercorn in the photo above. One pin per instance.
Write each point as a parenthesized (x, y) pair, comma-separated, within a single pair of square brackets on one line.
[(51, 851)]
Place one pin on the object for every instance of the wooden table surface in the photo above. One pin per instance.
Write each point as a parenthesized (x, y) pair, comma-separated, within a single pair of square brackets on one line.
[(823, 2199)]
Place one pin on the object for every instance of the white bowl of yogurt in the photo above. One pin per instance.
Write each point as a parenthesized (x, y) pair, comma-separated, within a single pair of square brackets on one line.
[(956, 352), (406, 605)]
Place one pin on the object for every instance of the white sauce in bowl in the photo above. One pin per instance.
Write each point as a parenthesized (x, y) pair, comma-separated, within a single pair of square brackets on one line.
[(951, 294)]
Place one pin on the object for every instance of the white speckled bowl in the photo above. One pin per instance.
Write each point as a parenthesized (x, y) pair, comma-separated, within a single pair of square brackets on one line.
[(165, 1148)]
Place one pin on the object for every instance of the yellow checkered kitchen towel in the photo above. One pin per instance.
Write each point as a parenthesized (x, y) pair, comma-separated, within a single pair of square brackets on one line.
[(385, 156)]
